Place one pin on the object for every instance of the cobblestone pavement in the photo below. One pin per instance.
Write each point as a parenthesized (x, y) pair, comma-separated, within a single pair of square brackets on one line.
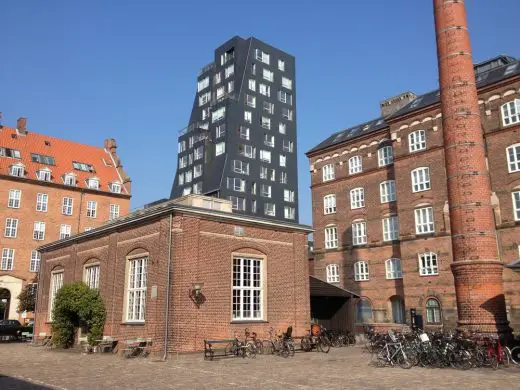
[(27, 367)]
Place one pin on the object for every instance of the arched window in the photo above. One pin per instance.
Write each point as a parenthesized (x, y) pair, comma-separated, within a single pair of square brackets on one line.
[(355, 165), (393, 269), (511, 112), (328, 172), (387, 191), (357, 198), (331, 237), (332, 273), (421, 179), (329, 204), (433, 311), (363, 311), (513, 158), (417, 141), (361, 271), (385, 156)]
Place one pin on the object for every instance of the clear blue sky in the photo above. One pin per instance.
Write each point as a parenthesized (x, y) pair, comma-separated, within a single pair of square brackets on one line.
[(88, 70)]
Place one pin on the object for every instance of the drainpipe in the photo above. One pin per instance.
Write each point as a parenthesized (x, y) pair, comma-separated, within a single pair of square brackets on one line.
[(167, 310)]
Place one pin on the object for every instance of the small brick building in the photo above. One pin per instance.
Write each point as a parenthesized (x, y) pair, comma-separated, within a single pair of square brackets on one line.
[(251, 272)]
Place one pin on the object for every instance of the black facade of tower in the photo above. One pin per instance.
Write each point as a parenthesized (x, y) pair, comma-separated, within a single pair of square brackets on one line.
[(240, 143)]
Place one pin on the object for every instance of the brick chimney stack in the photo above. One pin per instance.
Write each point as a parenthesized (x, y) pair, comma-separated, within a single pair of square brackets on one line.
[(21, 126), (476, 267)]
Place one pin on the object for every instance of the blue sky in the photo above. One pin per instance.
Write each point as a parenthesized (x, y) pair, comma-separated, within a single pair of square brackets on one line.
[(90, 70)]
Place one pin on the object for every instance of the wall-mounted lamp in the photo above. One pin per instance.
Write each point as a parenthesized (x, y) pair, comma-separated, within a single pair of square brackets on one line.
[(196, 293)]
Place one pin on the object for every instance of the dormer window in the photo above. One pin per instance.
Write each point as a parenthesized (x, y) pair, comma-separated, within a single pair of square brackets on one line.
[(115, 187), (69, 179), (44, 174), (17, 170), (93, 183)]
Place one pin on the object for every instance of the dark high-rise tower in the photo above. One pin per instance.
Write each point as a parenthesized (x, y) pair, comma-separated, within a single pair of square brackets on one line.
[(240, 143)]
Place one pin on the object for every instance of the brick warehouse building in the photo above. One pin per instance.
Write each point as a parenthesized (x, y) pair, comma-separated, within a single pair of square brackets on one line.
[(380, 202), (50, 188), (253, 273)]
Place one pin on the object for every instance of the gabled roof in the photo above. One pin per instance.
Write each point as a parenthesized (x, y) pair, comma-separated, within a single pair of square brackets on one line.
[(64, 153), (487, 72)]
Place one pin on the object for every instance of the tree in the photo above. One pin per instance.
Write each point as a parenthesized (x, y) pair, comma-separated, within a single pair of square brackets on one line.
[(76, 305), (27, 298)]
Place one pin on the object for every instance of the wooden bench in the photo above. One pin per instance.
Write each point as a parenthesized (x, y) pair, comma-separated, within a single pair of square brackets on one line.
[(137, 347), (210, 352)]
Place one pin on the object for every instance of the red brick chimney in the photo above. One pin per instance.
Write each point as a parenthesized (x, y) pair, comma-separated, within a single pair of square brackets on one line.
[(21, 126), (476, 267)]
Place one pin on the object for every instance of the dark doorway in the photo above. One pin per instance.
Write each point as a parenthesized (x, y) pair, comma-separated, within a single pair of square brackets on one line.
[(5, 303)]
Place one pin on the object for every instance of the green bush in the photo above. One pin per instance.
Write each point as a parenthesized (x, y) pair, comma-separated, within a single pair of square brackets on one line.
[(76, 305)]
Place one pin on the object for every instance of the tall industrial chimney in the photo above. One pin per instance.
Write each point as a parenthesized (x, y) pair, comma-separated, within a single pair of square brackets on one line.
[(476, 267)]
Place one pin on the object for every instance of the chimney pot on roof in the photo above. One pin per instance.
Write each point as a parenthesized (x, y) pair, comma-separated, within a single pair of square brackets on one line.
[(111, 145), (21, 125), (395, 103)]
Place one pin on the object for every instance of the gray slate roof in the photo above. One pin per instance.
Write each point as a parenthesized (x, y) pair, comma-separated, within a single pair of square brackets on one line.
[(494, 75)]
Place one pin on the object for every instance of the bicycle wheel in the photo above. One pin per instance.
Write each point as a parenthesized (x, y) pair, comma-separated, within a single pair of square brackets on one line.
[(493, 361), (259, 347), (403, 361), (290, 346), (505, 358), (515, 355), (306, 344), (323, 345), (249, 350)]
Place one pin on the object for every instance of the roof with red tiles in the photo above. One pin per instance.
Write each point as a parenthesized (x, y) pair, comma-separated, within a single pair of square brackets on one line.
[(105, 163)]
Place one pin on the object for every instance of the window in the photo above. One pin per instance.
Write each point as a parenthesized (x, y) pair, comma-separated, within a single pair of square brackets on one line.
[(231, 86), (332, 271), (113, 212), (387, 191), (252, 84), (7, 259), (91, 209), (265, 190), (92, 276), (424, 220), (203, 99), (283, 177), (136, 294), (253, 188), (251, 101), (15, 197), (39, 231), (385, 156), (183, 161), (421, 179), (331, 237), (267, 173), (67, 206), (241, 167), (246, 150), (283, 160), (186, 191), (363, 311), (218, 114), (289, 212), (197, 171), (197, 188), (7, 152), (287, 146), (228, 55), (285, 97), (288, 196), (43, 174), (390, 228), (188, 176), (229, 71), (93, 184), (244, 132), (42, 201), (329, 204), (182, 146), (220, 148), (203, 84), (56, 284), (34, 265), (513, 158), (361, 271), (221, 91), (265, 155), (511, 112), (82, 166), (115, 188), (287, 113), (417, 141), (328, 172), (433, 311), (253, 206), (266, 123), (286, 82), (428, 264), (238, 203), (268, 75), (268, 107), (393, 269), (359, 233), (357, 198), (64, 231), (218, 78), (69, 180), (248, 117), (270, 209), (269, 140), (39, 158), (181, 178), (282, 128), (11, 227), (247, 300), (516, 205), (236, 184), (264, 90), (355, 165), (17, 170), (281, 65)]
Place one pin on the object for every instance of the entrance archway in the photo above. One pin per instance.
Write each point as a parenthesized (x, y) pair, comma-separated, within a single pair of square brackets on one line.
[(397, 309), (5, 303)]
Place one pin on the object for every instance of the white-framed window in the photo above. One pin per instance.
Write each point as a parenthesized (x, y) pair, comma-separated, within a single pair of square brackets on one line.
[(357, 198), (287, 113), (252, 84), (56, 284), (516, 205), (186, 191), (329, 204), (183, 161), (511, 112), (67, 206), (42, 202), (17, 170), (203, 84), (197, 188), (331, 237), (387, 191), (229, 71), (92, 275), (241, 167), (424, 222), (287, 146), (289, 212), (390, 228), (268, 75), (244, 132), (188, 176), (44, 174), (417, 141), (93, 184), (221, 91), (91, 209), (385, 156), (288, 195), (265, 190), (115, 187), (238, 203), (15, 197), (264, 89), (269, 140), (282, 128), (268, 107), (69, 179), (262, 56), (198, 153), (270, 209), (421, 179), (11, 227), (113, 212), (248, 117), (236, 184), (220, 148), (39, 231), (246, 150), (197, 170), (281, 65), (433, 311), (428, 264), (65, 231), (393, 269), (355, 165), (267, 173), (286, 82), (285, 97), (251, 100), (231, 86), (266, 123), (7, 259), (248, 296), (283, 177), (265, 155), (218, 114), (203, 99), (218, 77), (359, 233), (361, 271), (34, 265), (136, 292), (283, 160), (332, 271), (513, 158), (328, 172)]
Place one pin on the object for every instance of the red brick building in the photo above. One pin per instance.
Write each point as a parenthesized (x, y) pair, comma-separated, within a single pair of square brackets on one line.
[(249, 272), (380, 202), (50, 189)]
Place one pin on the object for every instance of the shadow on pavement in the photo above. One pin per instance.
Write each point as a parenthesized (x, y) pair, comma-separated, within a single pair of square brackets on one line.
[(10, 383)]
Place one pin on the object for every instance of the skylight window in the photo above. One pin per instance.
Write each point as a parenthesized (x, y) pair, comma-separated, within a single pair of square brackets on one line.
[(82, 166), (40, 158)]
